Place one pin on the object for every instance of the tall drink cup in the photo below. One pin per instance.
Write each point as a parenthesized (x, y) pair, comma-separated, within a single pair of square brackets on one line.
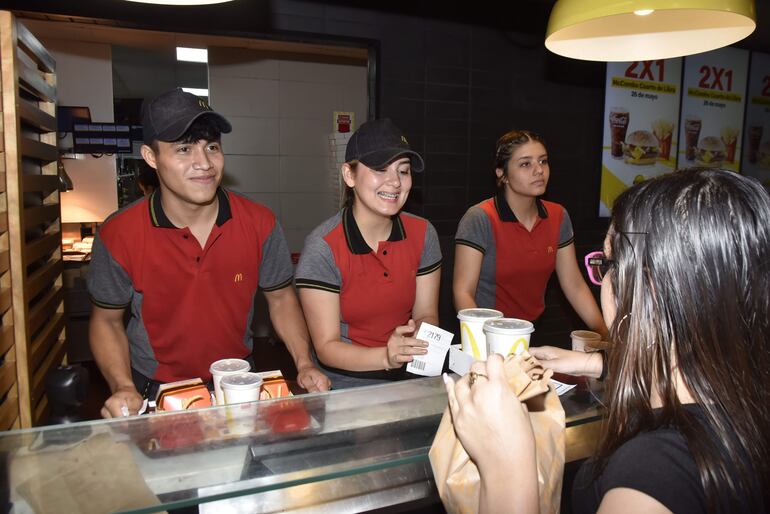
[(692, 125), (241, 387), (222, 368), (619, 118), (472, 337), (508, 336)]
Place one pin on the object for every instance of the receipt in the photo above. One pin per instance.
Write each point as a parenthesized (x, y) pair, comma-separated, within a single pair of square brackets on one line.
[(430, 364)]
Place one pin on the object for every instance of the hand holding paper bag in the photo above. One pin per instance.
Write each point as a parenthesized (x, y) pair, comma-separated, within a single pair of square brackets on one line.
[(509, 424)]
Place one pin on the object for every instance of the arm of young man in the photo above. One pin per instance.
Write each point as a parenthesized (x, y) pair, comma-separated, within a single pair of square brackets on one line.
[(289, 323), (576, 290), (467, 270), (109, 345)]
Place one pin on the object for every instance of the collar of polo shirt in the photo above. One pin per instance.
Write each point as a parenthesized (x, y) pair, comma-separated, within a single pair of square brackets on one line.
[(356, 242), (160, 220), (505, 212)]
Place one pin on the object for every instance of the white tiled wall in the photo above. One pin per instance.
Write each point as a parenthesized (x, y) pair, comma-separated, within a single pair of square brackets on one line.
[(281, 112)]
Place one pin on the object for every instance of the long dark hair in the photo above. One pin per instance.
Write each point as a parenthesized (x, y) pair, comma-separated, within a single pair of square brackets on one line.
[(509, 143), (692, 287)]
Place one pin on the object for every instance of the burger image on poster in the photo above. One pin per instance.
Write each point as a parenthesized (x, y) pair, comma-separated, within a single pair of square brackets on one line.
[(711, 152), (641, 148)]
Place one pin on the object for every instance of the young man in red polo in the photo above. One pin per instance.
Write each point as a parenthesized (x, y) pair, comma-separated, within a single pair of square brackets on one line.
[(187, 261)]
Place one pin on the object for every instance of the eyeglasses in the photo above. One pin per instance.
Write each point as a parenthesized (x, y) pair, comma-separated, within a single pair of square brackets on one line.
[(597, 266)]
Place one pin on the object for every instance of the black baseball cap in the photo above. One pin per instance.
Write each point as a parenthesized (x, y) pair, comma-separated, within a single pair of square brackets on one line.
[(168, 116), (377, 143)]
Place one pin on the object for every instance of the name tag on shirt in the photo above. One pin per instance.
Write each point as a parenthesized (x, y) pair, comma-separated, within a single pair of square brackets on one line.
[(430, 364)]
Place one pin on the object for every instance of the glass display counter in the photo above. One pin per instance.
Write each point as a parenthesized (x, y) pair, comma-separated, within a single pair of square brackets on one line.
[(351, 450)]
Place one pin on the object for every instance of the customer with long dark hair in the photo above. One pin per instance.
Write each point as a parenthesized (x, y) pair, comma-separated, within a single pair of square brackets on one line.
[(686, 293)]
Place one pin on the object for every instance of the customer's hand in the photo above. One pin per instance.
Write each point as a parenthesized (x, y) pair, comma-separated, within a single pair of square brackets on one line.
[(124, 401), (566, 361), (401, 348), (490, 421), (311, 379)]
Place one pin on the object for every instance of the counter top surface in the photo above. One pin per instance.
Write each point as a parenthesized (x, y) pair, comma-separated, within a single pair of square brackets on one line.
[(281, 449)]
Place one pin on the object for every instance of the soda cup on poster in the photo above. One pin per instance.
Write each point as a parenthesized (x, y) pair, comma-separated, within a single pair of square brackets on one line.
[(619, 119), (692, 125)]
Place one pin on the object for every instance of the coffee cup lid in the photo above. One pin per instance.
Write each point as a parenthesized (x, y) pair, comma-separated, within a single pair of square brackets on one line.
[(241, 381), (509, 326), (478, 314), (229, 366)]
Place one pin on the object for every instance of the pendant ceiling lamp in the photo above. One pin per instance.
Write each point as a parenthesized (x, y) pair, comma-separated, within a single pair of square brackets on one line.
[(635, 30), (181, 2)]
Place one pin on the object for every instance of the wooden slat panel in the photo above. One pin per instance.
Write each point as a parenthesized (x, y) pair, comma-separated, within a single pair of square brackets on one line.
[(41, 411), (37, 150), (31, 80), (54, 358), (5, 261), (42, 121), (6, 339), (7, 377), (9, 412), (45, 309), (2, 176), (40, 214), (36, 50), (43, 277), (44, 183), (41, 346), (5, 300), (41, 247), (3, 222)]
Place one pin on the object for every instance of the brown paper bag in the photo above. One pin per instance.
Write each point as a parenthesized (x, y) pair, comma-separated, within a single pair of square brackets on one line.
[(457, 477)]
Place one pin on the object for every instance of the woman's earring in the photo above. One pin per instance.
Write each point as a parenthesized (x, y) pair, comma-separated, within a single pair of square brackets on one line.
[(620, 323)]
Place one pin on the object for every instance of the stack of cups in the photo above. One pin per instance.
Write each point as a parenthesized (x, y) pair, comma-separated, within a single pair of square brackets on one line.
[(584, 340), (223, 368), (243, 387), (472, 336), (507, 336)]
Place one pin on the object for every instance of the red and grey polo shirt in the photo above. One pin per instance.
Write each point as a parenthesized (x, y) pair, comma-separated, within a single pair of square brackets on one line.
[(517, 263), (377, 287), (190, 306)]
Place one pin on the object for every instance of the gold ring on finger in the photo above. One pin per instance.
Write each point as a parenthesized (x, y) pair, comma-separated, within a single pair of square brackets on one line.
[(475, 376)]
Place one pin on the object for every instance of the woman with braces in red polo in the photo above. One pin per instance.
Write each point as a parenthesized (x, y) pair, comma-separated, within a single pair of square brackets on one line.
[(370, 274), (507, 246)]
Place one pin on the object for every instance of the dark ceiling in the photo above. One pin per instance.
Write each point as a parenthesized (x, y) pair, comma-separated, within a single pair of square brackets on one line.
[(253, 16)]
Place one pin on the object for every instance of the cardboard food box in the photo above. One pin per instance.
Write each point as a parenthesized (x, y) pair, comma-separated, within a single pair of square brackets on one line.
[(182, 395), (273, 385)]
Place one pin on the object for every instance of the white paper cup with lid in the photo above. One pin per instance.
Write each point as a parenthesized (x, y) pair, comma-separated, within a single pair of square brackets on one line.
[(223, 368), (243, 387), (508, 336), (471, 330)]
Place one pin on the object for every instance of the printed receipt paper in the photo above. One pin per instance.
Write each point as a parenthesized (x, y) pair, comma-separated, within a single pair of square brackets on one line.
[(430, 364)]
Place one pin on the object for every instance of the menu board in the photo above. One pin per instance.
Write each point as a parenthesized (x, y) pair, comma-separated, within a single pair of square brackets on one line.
[(713, 96), (641, 110), (756, 138)]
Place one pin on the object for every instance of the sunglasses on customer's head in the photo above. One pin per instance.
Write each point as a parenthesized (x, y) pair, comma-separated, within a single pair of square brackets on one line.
[(597, 266)]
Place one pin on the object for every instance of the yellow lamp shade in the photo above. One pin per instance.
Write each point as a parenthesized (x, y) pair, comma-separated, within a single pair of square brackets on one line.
[(635, 30)]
